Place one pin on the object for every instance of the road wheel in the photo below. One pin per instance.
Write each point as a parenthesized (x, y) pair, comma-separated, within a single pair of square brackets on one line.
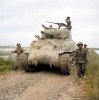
[(24, 63), (64, 62)]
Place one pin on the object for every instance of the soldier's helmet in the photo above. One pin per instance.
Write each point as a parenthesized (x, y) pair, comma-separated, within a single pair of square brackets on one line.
[(68, 17), (18, 44), (50, 26), (80, 43), (85, 44)]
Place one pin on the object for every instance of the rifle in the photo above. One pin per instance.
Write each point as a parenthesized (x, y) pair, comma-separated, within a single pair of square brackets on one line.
[(59, 24)]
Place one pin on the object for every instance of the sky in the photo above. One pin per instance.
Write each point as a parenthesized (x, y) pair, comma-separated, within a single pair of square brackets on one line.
[(20, 20)]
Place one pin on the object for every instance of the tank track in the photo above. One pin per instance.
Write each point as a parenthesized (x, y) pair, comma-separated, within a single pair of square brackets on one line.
[(24, 63), (64, 62)]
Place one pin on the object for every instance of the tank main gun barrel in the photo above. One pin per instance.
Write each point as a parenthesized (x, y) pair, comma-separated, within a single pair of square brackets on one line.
[(45, 33)]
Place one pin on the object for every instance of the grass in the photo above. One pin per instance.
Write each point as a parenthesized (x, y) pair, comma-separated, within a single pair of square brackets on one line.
[(5, 65), (92, 83)]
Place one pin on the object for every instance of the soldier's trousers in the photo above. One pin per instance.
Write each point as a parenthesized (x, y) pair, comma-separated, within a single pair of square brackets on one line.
[(17, 64), (81, 68)]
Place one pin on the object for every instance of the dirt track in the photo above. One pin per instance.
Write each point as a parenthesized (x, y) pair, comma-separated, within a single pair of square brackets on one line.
[(41, 85)]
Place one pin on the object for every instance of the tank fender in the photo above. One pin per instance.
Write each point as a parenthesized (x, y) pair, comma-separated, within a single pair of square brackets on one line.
[(62, 52)]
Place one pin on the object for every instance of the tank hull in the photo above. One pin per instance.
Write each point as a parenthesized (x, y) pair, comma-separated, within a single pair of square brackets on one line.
[(48, 57)]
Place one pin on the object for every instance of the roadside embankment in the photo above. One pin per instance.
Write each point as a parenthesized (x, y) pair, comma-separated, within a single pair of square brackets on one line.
[(92, 82)]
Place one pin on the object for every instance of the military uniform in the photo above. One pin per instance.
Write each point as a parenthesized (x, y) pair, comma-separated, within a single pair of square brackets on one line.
[(18, 50), (86, 49), (68, 23), (81, 61)]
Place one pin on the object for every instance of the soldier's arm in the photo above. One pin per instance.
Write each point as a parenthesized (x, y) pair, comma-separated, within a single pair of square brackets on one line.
[(22, 50), (75, 55), (15, 51), (45, 27), (69, 23)]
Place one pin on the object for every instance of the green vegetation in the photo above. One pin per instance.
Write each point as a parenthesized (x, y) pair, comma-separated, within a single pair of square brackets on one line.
[(5, 65), (92, 83)]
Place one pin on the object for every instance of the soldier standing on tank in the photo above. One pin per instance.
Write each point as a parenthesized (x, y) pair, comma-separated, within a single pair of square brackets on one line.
[(19, 50), (68, 23), (81, 60), (45, 27)]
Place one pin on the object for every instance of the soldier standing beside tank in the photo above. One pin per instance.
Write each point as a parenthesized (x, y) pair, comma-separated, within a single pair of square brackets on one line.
[(85, 47), (81, 60), (19, 50), (68, 23)]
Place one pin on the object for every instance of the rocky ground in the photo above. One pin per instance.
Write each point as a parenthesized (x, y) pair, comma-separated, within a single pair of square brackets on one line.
[(41, 85)]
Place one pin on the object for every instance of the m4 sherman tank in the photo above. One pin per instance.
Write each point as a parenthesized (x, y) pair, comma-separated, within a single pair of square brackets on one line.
[(55, 48)]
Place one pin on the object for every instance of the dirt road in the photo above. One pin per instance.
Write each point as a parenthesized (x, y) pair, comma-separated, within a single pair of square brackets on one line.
[(42, 85)]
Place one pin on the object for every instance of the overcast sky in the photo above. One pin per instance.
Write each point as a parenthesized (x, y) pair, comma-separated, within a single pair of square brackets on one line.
[(20, 20)]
